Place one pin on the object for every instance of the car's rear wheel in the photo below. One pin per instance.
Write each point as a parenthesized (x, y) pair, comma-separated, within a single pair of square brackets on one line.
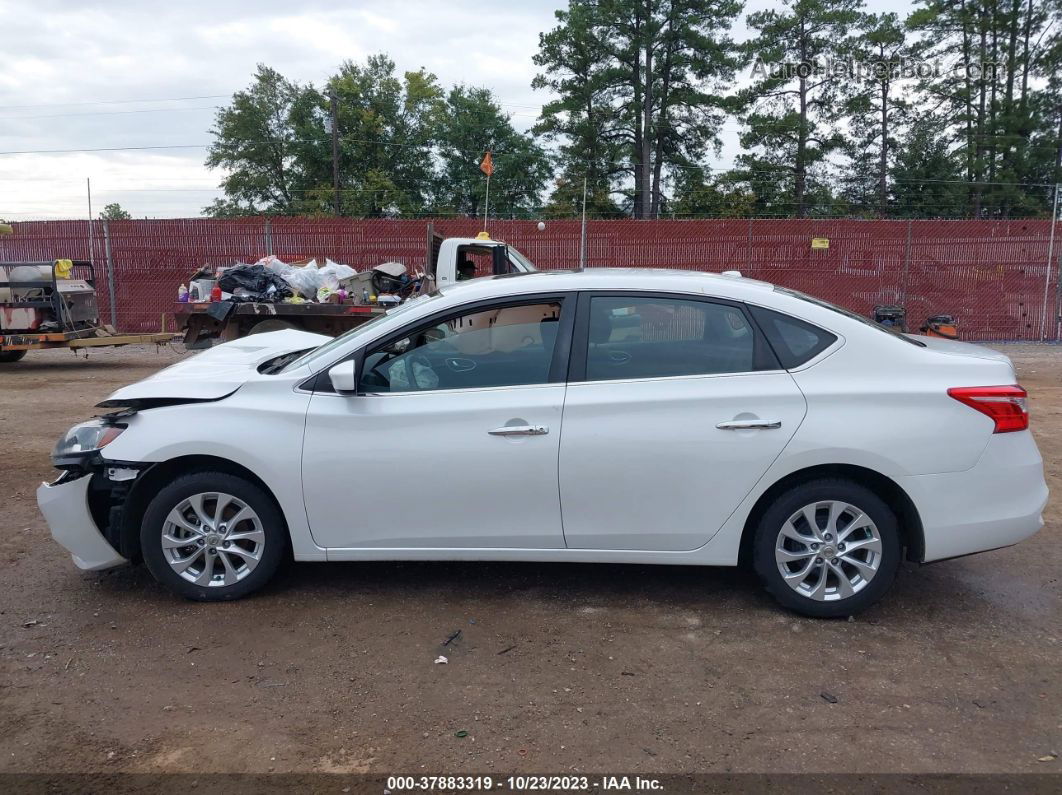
[(827, 548), (213, 536)]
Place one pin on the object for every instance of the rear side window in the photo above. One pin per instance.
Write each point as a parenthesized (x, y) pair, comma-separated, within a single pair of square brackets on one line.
[(657, 337), (794, 341)]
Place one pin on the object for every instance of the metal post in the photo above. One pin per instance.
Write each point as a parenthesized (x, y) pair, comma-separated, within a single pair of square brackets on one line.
[(582, 233), (748, 249), (906, 266), (88, 188), (334, 104), (268, 229), (1050, 265), (110, 271)]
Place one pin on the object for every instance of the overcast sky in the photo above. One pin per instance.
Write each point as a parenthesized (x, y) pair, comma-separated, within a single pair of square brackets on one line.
[(117, 75)]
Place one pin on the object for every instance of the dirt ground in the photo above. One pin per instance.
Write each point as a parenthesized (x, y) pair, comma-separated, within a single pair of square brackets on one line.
[(558, 668)]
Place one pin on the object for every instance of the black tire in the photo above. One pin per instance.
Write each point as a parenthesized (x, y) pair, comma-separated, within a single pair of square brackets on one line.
[(777, 515), (275, 544), (10, 357), (270, 324)]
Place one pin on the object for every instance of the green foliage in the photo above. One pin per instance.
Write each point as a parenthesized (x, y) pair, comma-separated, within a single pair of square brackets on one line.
[(640, 86), (403, 145), (791, 109), (469, 124), (583, 119), (927, 175), (724, 196), (1000, 59), (874, 108), (256, 140), (114, 212)]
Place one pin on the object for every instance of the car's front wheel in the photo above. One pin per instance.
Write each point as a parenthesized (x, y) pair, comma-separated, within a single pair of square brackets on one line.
[(827, 548), (213, 536)]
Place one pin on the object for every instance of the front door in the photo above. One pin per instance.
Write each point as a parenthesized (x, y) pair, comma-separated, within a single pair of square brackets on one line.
[(452, 439), (675, 409)]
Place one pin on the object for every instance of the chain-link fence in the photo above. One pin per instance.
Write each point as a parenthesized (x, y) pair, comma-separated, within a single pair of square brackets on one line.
[(999, 278)]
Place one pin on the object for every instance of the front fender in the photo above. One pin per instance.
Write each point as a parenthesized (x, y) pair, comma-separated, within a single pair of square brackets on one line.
[(262, 435)]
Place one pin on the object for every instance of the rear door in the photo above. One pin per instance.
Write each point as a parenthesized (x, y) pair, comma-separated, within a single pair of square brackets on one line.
[(675, 408)]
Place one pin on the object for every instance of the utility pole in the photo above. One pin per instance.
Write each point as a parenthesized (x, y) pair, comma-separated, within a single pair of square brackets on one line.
[(582, 233), (88, 189), (110, 273), (334, 104), (1050, 267)]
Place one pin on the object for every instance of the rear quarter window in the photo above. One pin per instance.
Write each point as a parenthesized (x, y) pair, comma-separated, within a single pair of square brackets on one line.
[(794, 341)]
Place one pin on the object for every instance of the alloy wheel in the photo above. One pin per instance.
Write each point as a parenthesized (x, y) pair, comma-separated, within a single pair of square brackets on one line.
[(828, 551), (212, 539)]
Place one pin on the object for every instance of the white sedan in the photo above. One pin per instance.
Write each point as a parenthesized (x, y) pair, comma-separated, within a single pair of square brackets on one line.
[(627, 416)]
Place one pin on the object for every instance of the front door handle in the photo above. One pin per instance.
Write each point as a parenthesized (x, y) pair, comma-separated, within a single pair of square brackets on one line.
[(741, 425), (520, 430)]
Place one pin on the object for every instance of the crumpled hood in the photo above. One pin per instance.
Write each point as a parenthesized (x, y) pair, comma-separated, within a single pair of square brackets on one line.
[(216, 372), (957, 348)]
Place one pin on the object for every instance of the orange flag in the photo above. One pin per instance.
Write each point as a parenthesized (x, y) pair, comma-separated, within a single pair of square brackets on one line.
[(486, 165)]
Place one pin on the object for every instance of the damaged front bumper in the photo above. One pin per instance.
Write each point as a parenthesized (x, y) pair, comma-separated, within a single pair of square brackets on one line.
[(65, 505)]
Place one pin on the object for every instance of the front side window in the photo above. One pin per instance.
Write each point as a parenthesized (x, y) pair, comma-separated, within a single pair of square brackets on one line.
[(647, 337), (503, 346)]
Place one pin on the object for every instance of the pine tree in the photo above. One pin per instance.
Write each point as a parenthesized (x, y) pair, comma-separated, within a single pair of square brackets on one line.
[(653, 93), (792, 109)]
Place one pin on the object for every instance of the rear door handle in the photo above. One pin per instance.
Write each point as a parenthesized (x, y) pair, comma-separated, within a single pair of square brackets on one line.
[(739, 425), (520, 430)]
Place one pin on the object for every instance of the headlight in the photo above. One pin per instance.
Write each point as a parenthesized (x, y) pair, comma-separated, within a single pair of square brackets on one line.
[(83, 439)]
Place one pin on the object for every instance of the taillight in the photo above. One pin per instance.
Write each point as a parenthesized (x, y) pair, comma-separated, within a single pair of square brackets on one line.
[(1006, 405)]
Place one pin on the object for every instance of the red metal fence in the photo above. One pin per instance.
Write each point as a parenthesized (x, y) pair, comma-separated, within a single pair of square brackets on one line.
[(993, 275)]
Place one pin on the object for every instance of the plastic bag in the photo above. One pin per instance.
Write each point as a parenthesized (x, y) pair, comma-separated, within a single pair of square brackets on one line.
[(304, 280), (333, 274), (256, 281)]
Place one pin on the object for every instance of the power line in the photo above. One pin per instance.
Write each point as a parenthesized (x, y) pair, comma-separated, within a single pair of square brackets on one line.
[(113, 102), (104, 149), (109, 113)]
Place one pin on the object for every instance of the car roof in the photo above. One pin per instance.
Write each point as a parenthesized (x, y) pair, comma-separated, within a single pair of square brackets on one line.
[(654, 279)]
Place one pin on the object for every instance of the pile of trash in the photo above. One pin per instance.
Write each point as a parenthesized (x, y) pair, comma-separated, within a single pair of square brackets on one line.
[(310, 280), (273, 280)]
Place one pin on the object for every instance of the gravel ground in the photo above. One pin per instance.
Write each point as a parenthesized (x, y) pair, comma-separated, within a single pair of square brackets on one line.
[(558, 668)]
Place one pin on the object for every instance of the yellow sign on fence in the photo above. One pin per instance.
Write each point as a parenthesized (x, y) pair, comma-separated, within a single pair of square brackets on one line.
[(820, 242)]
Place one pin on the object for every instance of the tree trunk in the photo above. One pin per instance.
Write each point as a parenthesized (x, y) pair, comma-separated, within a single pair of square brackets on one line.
[(979, 127), (883, 165), (799, 164), (971, 142), (639, 130), (647, 114), (1058, 155), (662, 124), (993, 117)]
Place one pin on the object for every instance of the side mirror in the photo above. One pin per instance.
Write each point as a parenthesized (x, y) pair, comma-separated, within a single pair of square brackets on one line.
[(344, 377)]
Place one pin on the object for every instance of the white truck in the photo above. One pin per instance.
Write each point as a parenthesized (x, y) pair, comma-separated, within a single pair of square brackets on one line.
[(490, 257)]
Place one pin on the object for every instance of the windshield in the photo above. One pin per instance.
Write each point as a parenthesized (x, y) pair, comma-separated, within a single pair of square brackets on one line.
[(521, 262), (834, 308), (325, 350)]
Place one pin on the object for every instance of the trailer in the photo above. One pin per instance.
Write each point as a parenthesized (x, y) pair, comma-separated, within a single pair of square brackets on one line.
[(447, 260), (53, 305), (223, 321)]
